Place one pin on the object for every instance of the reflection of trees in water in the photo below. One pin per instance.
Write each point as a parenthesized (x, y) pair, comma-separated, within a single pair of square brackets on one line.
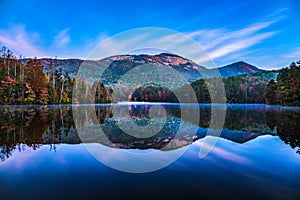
[(103, 112), (242, 118), (247, 118), (286, 123), (33, 126), (142, 111), (96, 115)]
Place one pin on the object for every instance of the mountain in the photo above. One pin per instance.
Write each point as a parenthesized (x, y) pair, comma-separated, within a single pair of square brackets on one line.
[(238, 68), (116, 66), (65, 65), (120, 65)]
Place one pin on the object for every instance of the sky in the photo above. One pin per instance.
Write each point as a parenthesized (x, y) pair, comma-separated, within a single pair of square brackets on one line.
[(262, 33)]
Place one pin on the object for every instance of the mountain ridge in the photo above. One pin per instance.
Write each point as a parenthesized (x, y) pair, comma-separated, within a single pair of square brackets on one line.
[(118, 65)]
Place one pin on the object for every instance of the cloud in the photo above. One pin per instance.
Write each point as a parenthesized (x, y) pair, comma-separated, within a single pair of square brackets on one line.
[(294, 54), (62, 38), (29, 44), (277, 60), (215, 37), (232, 156), (220, 42), (81, 49), (21, 42), (165, 40), (243, 43)]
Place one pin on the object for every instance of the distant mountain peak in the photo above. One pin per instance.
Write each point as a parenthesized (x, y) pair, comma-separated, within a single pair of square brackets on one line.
[(238, 68), (242, 64), (169, 55)]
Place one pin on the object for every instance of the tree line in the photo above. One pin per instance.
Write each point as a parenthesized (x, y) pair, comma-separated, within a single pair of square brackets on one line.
[(29, 84), (257, 88), (238, 90), (286, 89)]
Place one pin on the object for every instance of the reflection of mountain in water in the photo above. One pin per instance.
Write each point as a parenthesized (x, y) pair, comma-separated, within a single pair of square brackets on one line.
[(170, 135), (33, 126)]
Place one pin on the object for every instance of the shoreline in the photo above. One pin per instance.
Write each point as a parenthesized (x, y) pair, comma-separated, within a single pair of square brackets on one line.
[(147, 103)]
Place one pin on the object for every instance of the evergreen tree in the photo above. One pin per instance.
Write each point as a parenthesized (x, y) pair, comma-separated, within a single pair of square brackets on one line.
[(271, 97), (286, 90)]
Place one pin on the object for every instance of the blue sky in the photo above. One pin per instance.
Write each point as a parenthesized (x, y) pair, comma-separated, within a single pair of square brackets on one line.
[(263, 33)]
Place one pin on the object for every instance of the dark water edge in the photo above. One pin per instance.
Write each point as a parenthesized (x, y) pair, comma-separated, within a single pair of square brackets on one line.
[(255, 156)]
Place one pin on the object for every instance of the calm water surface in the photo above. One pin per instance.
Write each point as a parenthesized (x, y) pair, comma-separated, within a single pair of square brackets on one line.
[(44, 157)]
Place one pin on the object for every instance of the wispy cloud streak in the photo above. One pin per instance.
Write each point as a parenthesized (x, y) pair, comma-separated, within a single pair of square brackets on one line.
[(20, 42), (221, 42), (62, 38)]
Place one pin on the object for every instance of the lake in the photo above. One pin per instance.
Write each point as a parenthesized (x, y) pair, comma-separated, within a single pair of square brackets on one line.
[(150, 151)]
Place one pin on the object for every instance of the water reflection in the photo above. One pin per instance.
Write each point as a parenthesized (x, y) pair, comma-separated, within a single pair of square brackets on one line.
[(286, 124), (33, 126)]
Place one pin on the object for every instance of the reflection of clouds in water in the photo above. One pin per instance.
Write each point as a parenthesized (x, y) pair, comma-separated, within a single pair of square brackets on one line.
[(223, 153), (29, 157), (265, 154), (110, 153), (133, 161), (20, 158)]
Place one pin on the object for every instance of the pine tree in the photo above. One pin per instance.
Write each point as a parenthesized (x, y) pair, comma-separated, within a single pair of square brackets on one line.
[(271, 96)]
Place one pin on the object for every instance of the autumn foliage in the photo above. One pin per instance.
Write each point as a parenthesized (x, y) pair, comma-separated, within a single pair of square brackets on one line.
[(25, 82), (286, 89)]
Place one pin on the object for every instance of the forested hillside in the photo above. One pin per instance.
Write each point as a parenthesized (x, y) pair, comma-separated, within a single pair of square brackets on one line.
[(29, 84), (286, 89)]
